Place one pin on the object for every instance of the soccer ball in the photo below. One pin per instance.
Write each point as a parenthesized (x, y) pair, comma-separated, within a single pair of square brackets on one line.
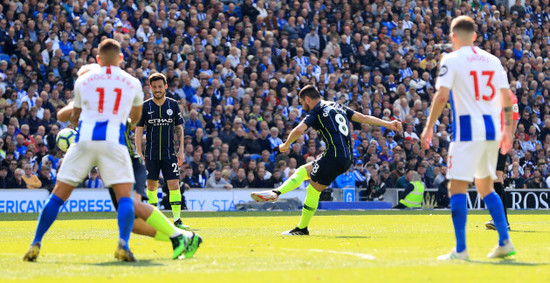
[(65, 138)]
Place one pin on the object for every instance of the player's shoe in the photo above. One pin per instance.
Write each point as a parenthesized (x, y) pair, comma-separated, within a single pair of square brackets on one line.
[(32, 253), (193, 245), (180, 225), (491, 225), (504, 251), (455, 256), (265, 196), (179, 244), (297, 232), (123, 254)]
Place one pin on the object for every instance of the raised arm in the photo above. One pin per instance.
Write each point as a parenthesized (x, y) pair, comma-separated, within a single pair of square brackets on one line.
[(293, 136), (371, 120)]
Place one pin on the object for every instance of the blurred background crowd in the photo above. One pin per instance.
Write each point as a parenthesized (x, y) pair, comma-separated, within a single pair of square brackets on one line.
[(236, 68)]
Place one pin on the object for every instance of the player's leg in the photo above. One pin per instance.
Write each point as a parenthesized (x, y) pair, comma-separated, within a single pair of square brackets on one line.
[(46, 218), (75, 168), (499, 189), (496, 208), (460, 173), (311, 203), (171, 173), (459, 214), (485, 176), (294, 181), (125, 217), (153, 171), (323, 172)]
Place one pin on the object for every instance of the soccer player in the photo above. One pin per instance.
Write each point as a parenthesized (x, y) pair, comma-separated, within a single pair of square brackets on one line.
[(159, 118), (501, 163), (103, 100), (150, 221), (478, 83), (332, 120)]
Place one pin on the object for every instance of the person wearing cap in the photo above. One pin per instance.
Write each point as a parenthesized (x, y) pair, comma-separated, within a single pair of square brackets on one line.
[(361, 174)]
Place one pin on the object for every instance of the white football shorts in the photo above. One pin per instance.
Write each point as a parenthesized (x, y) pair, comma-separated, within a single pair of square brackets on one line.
[(472, 159), (112, 159)]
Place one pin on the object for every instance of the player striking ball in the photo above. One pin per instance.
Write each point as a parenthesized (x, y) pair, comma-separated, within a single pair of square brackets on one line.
[(332, 121), (159, 118), (478, 83), (103, 98)]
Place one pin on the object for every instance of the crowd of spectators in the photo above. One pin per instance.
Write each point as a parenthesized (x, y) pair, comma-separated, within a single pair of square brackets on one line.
[(236, 68)]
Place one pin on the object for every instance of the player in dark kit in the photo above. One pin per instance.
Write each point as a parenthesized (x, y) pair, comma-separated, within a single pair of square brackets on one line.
[(160, 117), (332, 120)]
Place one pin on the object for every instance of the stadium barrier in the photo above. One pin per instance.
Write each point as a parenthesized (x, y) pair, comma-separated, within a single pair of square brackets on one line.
[(89, 200)]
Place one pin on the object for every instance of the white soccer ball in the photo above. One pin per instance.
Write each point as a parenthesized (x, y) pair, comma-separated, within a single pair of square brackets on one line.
[(65, 138)]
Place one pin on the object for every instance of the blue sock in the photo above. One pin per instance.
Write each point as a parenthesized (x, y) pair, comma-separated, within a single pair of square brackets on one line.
[(47, 217), (495, 207), (125, 219), (459, 211)]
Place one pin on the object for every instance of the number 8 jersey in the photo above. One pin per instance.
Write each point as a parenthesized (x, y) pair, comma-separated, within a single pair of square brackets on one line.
[(475, 78), (106, 95), (331, 120)]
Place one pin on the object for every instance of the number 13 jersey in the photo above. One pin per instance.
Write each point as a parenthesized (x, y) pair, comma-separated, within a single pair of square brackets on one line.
[(331, 120), (475, 78), (106, 95)]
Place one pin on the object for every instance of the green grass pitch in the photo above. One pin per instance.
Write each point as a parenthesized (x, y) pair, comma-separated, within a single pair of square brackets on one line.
[(372, 246)]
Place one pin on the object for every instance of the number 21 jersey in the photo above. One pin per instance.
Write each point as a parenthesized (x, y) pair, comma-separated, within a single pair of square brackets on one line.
[(475, 78), (106, 95)]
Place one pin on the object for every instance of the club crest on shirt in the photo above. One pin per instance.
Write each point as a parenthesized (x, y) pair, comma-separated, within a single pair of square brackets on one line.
[(443, 70), (169, 111)]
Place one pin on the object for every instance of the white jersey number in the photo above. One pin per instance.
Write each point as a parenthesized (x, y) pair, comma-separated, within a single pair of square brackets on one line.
[(342, 124)]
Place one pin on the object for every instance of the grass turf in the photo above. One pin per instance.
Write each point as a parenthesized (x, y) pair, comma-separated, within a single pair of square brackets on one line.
[(346, 246)]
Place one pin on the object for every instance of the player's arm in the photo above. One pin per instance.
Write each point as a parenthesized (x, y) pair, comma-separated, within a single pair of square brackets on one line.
[(507, 132), (293, 136), (440, 100), (180, 136), (371, 120), (139, 140), (64, 115)]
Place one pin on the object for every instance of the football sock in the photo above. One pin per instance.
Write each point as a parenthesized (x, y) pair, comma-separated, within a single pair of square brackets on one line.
[(294, 181), (125, 219), (310, 206), (495, 207), (47, 217), (159, 222), (459, 212), (175, 202), (153, 198), (159, 236), (499, 189)]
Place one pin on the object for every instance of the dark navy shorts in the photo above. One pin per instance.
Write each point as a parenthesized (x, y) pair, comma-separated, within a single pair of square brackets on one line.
[(169, 167), (326, 169)]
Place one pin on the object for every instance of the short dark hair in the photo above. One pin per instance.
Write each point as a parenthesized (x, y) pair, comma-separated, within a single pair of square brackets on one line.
[(309, 91), (157, 77), (463, 24), (109, 46)]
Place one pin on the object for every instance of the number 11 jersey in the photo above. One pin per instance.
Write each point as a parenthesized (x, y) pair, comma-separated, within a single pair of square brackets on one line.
[(475, 78), (106, 95)]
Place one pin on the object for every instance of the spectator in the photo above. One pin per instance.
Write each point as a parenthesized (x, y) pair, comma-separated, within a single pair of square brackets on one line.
[(239, 181), (17, 182), (217, 182), (93, 181), (345, 180), (188, 180), (30, 178), (4, 181)]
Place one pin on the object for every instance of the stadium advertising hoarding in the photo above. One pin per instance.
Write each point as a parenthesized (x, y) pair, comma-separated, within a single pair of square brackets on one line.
[(81, 200), (87, 200)]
